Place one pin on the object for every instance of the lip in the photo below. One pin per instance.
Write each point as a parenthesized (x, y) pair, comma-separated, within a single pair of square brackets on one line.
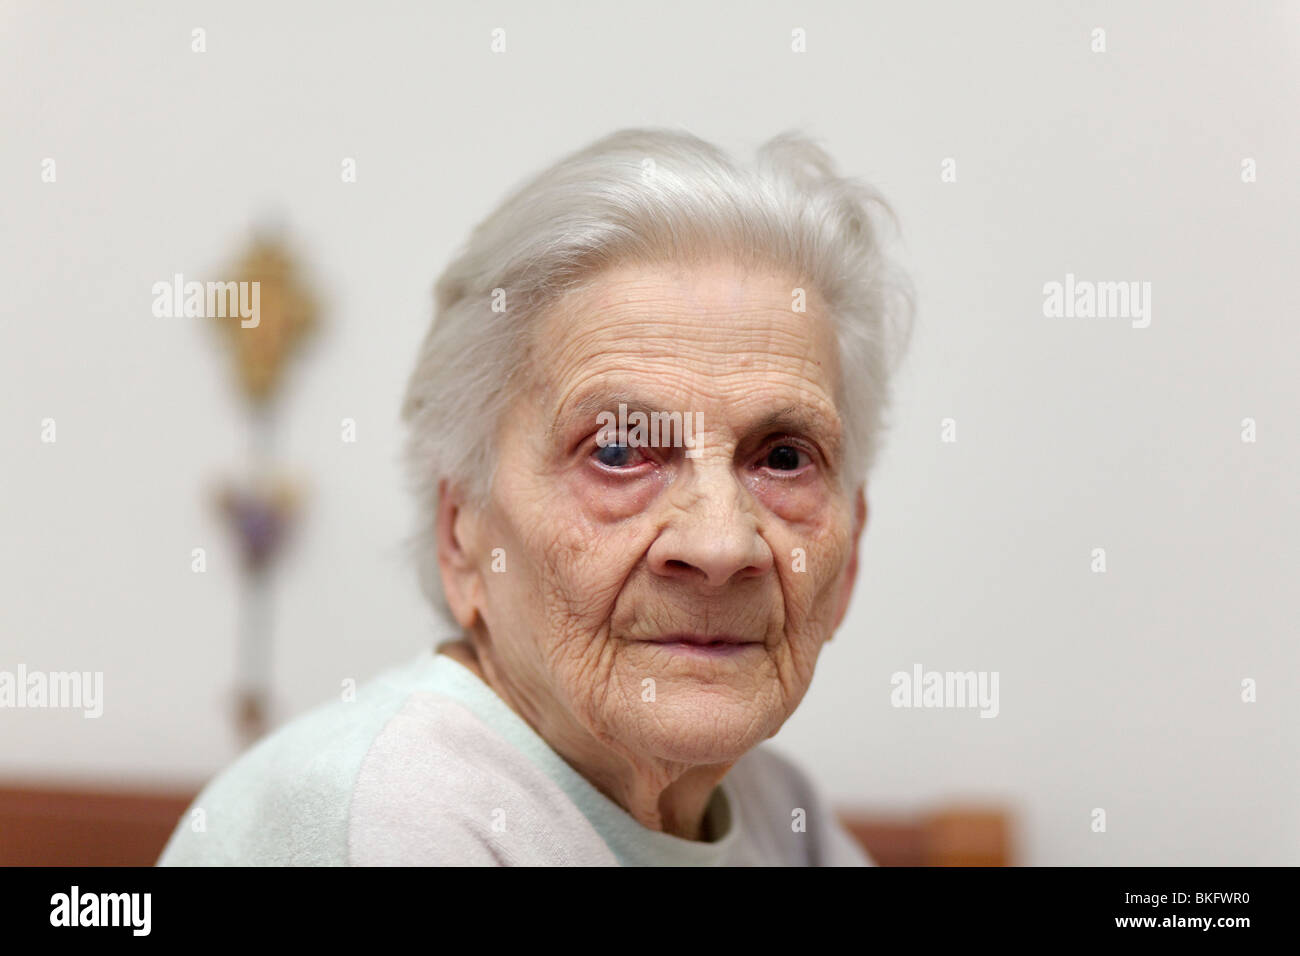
[(703, 645), (698, 640)]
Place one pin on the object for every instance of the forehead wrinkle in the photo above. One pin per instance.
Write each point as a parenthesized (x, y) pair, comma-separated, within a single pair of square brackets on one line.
[(646, 321), (635, 292), (632, 303), (727, 352)]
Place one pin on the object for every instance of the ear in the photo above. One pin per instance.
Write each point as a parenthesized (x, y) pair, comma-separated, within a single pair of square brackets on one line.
[(851, 569), (462, 581)]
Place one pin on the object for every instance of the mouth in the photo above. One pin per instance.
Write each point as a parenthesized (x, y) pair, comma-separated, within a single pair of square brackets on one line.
[(704, 645)]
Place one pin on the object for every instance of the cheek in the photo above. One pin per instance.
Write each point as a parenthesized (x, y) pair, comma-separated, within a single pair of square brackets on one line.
[(540, 548), (583, 545), (811, 595)]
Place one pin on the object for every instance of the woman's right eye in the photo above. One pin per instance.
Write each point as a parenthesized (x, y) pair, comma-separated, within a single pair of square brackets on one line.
[(617, 456)]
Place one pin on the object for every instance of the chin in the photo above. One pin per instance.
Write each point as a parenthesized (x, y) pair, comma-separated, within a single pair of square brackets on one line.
[(707, 730)]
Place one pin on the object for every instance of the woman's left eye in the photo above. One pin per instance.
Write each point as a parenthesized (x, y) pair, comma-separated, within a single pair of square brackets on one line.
[(617, 456), (785, 458)]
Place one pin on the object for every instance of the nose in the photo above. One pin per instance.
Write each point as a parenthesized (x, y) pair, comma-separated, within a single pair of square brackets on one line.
[(712, 534)]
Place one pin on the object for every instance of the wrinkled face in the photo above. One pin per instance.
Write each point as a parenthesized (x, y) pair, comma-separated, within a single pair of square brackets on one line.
[(670, 600)]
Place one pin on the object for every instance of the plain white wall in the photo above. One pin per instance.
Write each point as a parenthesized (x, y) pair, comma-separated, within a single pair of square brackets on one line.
[(1118, 690)]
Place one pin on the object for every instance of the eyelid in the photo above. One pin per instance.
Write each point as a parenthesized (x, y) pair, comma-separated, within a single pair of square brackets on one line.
[(776, 441), (592, 446), (803, 444)]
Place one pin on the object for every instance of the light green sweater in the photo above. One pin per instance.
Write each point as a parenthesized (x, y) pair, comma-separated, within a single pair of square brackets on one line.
[(428, 766)]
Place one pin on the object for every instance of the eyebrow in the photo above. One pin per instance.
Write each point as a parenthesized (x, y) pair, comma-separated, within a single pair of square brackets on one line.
[(802, 420), (794, 418), (593, 405)]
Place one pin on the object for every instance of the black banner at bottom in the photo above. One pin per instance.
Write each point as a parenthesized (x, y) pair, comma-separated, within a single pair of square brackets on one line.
[(333, 906)]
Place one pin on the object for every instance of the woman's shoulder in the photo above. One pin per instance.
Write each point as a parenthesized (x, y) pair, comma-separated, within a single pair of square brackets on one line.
[(285, 800)]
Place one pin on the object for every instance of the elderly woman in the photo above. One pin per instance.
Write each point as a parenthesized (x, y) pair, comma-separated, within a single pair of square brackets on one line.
[(639, 433)]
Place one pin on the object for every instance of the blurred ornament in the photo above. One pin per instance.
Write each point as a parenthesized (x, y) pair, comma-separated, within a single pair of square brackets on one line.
[(260, 515), (262, 511), (250, 712), (287, 315)]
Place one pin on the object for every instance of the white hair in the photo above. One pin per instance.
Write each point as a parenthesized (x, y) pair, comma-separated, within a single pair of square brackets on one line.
[(644, 195)]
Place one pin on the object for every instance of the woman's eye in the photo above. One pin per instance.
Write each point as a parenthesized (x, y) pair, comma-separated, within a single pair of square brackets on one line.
[(784, 458), (617, 456)]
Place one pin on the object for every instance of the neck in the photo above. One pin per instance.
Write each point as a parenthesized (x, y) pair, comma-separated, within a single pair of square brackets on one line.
[(669, 797)]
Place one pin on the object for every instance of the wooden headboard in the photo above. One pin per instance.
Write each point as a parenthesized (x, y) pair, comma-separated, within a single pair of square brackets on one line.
[(44, 826)]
